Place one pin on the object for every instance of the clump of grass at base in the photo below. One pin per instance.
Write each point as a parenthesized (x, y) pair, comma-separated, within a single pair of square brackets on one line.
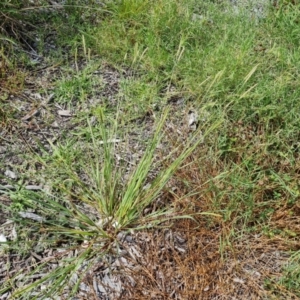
[(291, 277), (91, 201), (75, 88)]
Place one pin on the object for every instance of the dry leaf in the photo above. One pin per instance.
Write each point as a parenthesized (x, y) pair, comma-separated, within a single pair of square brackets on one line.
[(32, 113), (64, 113)]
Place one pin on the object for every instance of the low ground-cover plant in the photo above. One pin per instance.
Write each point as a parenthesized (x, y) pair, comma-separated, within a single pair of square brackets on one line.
[(93, 198), (291, 277)]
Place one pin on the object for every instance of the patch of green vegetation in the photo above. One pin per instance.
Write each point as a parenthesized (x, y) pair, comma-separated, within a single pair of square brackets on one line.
[(138, 96), (75, 88), (290, 278), (89, 199)]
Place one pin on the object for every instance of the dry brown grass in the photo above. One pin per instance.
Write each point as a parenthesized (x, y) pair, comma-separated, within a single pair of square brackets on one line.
[(219, 258), (199, 270)]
